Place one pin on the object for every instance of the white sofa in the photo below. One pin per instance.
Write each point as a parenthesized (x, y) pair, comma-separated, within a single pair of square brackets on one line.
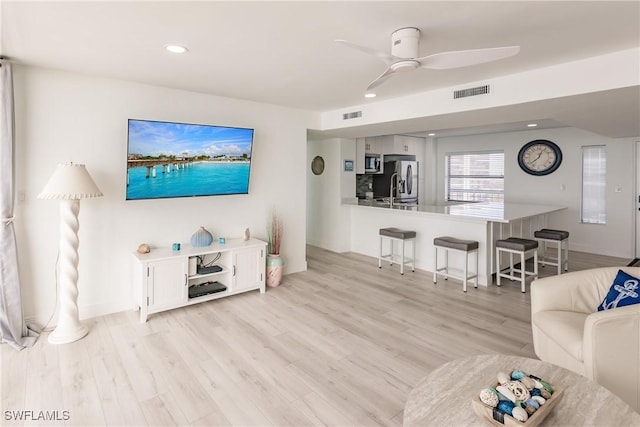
[(569, 331)]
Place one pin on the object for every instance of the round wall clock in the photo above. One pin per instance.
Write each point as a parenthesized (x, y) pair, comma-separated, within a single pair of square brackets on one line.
[(539, 157), (317, 165)]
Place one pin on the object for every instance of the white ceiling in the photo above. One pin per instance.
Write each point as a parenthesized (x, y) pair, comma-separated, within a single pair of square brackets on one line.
[(283, 53)]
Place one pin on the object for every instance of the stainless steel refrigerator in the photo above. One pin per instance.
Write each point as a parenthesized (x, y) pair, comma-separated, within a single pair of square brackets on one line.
[(406, 182), (403, 176)]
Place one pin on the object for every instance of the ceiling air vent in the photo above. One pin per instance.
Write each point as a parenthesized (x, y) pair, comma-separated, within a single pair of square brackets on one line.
[(354, 115), (473, 91)]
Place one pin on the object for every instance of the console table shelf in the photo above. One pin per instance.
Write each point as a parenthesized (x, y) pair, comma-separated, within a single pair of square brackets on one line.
[(163, 276)]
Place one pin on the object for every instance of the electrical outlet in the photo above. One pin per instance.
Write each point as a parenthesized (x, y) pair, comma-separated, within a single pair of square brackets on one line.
[(22, 196)]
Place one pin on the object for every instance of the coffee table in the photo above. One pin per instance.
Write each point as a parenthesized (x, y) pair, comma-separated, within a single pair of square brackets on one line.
[(443, 398)]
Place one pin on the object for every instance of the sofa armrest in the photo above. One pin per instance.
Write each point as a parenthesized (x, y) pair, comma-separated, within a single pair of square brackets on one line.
[(579, 291), (611, 351)]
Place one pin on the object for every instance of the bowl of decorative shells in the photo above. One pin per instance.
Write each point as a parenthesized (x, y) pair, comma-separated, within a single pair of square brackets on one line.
[(516, 399)]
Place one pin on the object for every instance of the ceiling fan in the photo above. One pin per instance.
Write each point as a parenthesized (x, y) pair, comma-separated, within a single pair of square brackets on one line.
[(405, 44)]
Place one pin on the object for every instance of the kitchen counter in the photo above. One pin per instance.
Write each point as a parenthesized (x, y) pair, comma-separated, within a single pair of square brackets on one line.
[(480, 211), (483, 222)]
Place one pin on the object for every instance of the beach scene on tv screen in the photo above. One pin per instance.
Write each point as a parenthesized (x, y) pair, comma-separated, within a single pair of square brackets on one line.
[(186, 160)]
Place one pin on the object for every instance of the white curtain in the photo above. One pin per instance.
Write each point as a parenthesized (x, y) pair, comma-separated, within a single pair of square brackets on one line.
[(13, 329)]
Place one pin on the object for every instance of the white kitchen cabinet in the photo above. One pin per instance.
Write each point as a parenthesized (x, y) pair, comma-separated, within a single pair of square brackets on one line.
[(378, 144), (360, 154), (408, 145), (165, 277)]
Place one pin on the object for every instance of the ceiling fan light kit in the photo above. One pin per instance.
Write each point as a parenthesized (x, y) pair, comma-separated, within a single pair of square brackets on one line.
[(405, 48)]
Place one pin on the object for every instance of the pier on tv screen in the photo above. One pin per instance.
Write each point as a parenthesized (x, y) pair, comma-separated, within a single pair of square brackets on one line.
[(166, 159)]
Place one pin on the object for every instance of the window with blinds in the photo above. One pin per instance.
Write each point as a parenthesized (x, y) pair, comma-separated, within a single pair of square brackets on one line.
[(594, 185), (477, 177)]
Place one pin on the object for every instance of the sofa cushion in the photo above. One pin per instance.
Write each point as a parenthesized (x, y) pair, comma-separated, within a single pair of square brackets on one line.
[(565, 328), (625, 290)]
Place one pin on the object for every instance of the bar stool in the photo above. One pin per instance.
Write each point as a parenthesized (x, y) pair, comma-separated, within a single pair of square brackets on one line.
[(561, 239), (397, 235), (516, 245), (447, 244)]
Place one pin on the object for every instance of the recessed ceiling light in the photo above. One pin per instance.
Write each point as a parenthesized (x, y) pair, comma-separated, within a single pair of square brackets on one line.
[(532, 125), (176, 48), (369, 95), (432, 134)]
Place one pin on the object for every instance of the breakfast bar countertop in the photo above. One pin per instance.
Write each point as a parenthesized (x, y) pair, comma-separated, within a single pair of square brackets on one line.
[(480, 211)]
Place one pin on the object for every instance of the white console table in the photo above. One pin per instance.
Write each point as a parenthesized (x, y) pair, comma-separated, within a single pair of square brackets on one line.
[(164, 276)]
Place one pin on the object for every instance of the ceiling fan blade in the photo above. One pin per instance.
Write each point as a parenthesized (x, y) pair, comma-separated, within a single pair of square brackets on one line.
[(385, 57), (464, 58), (381, 79)]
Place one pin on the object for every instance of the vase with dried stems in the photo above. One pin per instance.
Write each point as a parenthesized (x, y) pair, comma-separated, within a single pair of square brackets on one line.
[(275, 262)]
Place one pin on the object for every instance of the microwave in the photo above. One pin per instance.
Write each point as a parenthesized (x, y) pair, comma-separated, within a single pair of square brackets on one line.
[(372, 163)]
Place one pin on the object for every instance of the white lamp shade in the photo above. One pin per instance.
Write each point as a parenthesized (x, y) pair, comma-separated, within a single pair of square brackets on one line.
[(70, 181)]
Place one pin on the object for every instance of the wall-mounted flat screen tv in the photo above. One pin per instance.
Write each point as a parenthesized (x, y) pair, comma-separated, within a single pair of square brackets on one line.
[(166, 159)]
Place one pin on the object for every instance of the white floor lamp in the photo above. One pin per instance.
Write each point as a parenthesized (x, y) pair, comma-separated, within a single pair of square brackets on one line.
[(70, 183)]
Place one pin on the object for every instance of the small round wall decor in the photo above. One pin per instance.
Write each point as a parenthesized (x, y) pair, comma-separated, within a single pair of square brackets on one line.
[(539, 157), (317, 165)]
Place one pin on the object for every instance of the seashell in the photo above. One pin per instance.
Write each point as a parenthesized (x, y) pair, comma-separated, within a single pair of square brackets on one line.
[(532, 402), (547, 386), (530, 409), (517, 375), (518, 389), (506, 393), (506, 406), (519, 414), (144, 248), (539, 399), (489, 397), (545, 393), (503, 378), (528, 383), (201, 238), (536, 381)]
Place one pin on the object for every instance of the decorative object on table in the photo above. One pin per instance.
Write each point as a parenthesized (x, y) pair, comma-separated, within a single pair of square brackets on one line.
[(201, 238), (175, 246), (144, 248), (69, 183), (317, 165), (516, 399), (348, 165), (539, 157), (247, 234), (275, 262)]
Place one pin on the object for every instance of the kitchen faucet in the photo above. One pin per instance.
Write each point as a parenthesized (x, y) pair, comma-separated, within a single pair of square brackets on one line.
[(391, 187)]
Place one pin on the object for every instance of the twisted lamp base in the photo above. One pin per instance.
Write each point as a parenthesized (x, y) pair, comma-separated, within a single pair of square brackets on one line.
[(69, 328)]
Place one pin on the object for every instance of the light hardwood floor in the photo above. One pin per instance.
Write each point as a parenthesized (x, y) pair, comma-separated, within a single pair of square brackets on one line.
[(340, 344)]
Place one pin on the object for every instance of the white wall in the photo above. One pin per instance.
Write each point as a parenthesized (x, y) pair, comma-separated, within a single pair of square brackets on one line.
[(327, 220), (63, 117), (616, 237)]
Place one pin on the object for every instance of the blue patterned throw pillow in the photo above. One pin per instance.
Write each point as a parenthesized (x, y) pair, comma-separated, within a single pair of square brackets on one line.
[(624, 291)]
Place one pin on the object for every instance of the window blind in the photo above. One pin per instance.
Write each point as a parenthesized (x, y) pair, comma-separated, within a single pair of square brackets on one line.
[(475, 176), (594, 185)]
